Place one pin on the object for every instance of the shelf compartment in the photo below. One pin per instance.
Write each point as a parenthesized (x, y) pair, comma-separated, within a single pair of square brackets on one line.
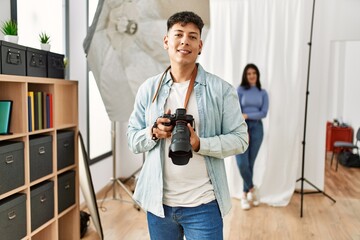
[(47, 231), (41, 156), (65, 104), (13, 217), (16, 92), (42, 201), (41, 115), (12, 165), (67, 228)]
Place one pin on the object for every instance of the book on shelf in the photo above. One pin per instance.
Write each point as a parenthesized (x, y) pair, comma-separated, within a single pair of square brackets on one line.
[(5, 116), (40, 110), (44, 108), (29, 114), (36, 111), (31, 111), (50, 110), (47, 110)]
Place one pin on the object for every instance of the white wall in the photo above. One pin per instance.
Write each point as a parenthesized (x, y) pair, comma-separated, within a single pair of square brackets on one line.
[(5, 13), (100, 172), (344, 88), (351, 81), (334, 20)]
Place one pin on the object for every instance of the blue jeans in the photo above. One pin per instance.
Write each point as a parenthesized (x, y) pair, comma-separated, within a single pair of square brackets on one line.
[(246, 160), (196, 223)]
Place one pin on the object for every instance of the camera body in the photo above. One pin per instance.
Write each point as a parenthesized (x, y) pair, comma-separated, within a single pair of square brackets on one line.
[(179, 115), (180, 149)]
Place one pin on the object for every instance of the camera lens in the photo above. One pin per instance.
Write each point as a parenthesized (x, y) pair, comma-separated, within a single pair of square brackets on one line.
[(180, 147)]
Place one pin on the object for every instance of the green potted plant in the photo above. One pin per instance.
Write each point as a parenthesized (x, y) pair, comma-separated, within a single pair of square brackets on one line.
[(44, 41), (10, 30)]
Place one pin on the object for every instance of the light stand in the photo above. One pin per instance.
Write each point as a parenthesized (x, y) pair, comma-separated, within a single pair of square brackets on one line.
[(302, 179), (114, 179)]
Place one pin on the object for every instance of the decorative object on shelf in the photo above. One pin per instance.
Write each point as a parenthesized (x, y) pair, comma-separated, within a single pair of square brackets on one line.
[(44, 41), (5, 116), (66, 72), (66, 62), (10, 30)]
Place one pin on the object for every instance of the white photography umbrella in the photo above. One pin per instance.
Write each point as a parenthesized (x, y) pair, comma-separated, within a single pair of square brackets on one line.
[(124, 46)]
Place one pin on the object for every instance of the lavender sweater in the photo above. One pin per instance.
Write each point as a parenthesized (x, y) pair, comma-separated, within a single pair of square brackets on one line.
[(253, 102)]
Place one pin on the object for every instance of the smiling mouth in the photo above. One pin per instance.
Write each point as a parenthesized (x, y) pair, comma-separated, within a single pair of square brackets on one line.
[(184, 51)]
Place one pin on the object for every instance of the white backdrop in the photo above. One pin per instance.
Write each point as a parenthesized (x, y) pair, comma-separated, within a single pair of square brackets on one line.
[(273, 34), (278, 165)]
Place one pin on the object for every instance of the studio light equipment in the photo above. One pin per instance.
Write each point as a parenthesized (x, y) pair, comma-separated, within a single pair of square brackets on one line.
[(302, 179)]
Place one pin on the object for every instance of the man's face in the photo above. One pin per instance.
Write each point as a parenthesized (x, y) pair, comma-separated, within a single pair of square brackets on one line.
[(183, 43)]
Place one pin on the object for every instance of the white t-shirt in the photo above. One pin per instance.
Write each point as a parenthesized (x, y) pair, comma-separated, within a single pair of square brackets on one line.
[(187, 185)]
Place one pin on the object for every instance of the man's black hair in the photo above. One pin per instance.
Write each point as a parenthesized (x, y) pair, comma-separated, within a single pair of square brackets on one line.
[(184, 18)]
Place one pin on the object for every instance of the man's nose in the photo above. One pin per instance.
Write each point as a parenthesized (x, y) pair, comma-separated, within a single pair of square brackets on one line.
[(184, 41)]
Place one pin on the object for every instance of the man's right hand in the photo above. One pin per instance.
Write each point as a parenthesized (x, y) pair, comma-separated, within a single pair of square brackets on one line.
[(161, 130)]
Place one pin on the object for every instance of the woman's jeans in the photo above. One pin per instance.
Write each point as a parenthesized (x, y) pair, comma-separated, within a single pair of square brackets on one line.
[(246, 160), (203, 222)]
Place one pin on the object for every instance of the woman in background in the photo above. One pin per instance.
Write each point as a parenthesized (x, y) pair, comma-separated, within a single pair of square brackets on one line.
[(254, 103)]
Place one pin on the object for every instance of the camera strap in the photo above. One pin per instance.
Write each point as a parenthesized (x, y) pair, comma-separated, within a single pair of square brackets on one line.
[(191, 86), (160, 83), (189, 90)]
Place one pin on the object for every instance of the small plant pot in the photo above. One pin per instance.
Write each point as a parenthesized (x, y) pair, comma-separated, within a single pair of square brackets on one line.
[(45, 46), (11, 38)]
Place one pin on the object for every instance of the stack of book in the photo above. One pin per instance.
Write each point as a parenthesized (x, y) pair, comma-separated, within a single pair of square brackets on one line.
[(40, 110)]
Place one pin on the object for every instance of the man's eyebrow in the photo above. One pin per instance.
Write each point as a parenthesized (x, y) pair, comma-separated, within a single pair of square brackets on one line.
[(179, 30)]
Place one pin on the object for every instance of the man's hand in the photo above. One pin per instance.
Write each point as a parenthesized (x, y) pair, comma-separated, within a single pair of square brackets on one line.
[(194, 139), (162, 131)]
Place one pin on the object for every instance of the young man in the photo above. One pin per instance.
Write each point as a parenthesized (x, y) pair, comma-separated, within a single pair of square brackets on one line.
[(189, 199)]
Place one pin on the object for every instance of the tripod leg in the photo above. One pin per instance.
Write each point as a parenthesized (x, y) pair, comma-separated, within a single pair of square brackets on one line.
[(129, 193), (114, 167), (320, 190)]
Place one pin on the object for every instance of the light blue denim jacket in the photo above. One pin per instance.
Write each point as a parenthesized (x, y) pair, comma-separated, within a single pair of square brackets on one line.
[(222, 133)]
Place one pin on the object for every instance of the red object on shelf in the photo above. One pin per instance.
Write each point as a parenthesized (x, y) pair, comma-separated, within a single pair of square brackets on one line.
[(337, 133)]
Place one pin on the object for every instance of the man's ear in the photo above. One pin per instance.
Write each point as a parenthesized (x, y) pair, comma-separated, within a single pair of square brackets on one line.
[(200, 47), (165, 42)]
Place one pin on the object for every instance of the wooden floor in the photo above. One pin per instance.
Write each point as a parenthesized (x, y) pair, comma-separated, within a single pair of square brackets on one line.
[(321, 218)]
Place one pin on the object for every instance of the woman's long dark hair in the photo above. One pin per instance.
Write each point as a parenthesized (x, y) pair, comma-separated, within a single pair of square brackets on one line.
[(244, 82)]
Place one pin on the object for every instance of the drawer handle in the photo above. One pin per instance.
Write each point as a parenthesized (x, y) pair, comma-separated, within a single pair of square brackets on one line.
[(56, 63), (11, 215), (66, 144), (13, 57), (36, 61), (32, 60), (41, 62), (9, 159), (67, 186), (41, 150), (42, 199)]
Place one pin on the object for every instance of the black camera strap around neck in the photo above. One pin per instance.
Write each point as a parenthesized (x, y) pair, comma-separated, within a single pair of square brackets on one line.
[(189, 90)]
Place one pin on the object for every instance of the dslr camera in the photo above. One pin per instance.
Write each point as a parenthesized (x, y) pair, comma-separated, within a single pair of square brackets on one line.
[(180, 150)]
